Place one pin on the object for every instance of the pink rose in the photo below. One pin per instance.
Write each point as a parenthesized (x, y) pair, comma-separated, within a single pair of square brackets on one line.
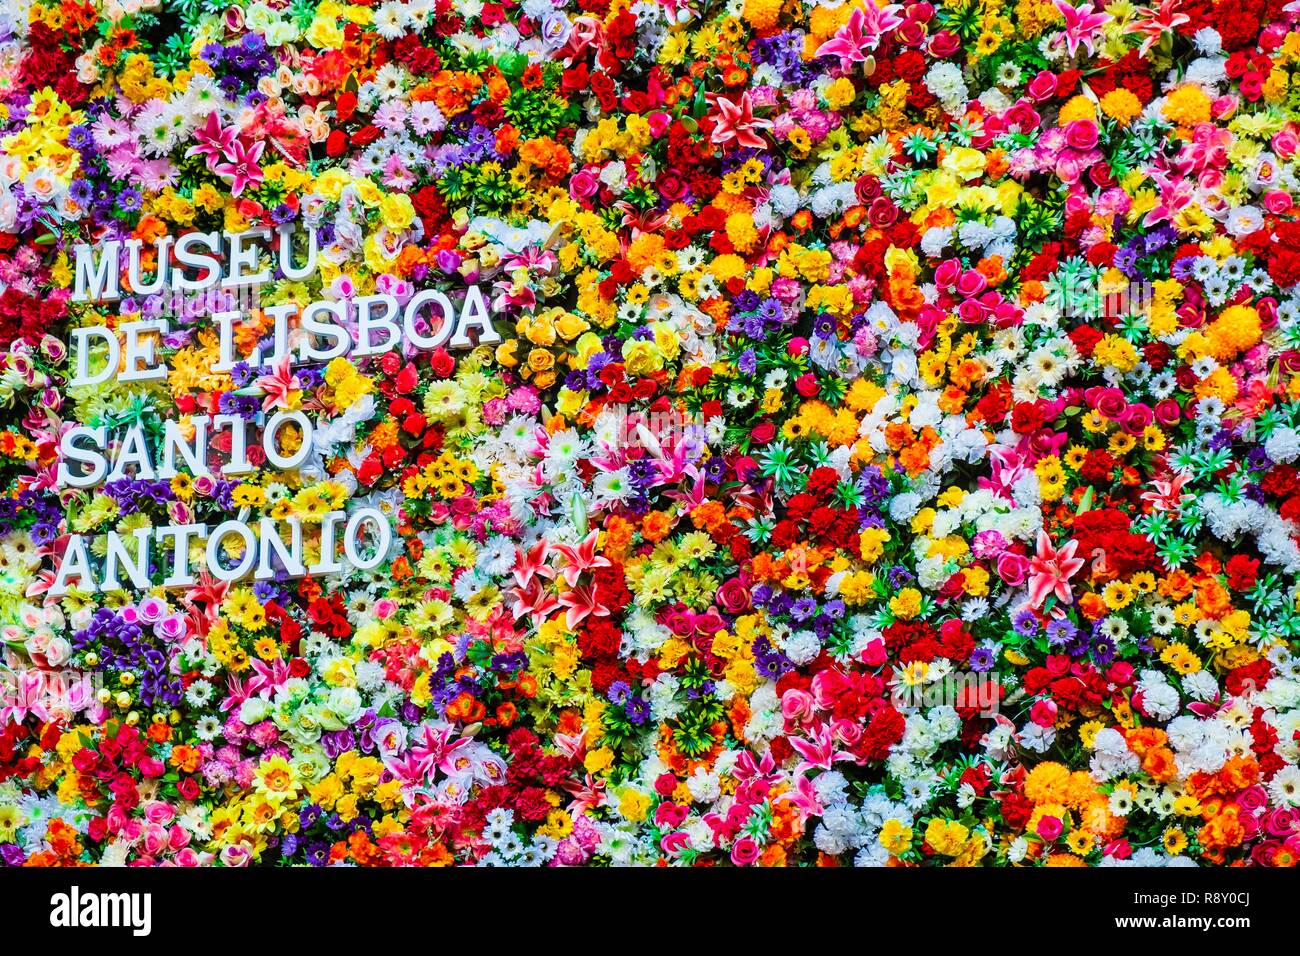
[(971, 283), (1109, 402), (734, 596), (1137, 418), (882, 212), (948, 273), (1043, 713), (1285, 143), (156, 811), (1013, 568), (1277, 201), (1168, 412), (1081, 134), (911, 33), (1042, 86), (745, 851), (797, 706), (583, 183), (674, 843), (1024, 116), (1049, 828), (944, 44)]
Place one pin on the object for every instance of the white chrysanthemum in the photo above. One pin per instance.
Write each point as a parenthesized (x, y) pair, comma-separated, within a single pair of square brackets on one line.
[(1207, 40), (1283, 445)]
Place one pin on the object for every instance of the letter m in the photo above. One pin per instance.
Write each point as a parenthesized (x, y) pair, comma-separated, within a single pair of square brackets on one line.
[(97, 279)]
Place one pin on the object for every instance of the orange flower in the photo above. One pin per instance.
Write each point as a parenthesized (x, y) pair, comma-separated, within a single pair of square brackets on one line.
[(655, 526), (709, 515), (1092, 605), (1159, 763), (1213, 600)]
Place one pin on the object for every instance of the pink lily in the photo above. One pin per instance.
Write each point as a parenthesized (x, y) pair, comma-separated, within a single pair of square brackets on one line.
[(209, 592), (533, 600), (214, 140), (588, 794), (533, 562), (1155, 23), (804, 797), (237, 692), (1168, 495), (269, 677), (26, 696), (735, 122), (580, 557), (242, 166), (278, 386), (1081, 25), (1051, 570), (854, 41), (407, 769), (820, 752), (435, 749), (581, 602)]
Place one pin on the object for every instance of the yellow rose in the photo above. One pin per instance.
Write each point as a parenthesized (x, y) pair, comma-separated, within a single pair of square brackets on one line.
[(641, 358), (397, 211), (505, 353), (539, 330), (571, 326), (540, 360), (964, 162)]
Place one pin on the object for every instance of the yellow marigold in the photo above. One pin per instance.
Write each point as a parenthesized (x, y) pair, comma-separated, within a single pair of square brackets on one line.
[(840, 93), (727, 266), (1078, 108), (946, 836), (741, 231), (1121, 105), (1047, 783), (1187, 106), (644, 250), (906, 604), (762, 14), (1233, 332)]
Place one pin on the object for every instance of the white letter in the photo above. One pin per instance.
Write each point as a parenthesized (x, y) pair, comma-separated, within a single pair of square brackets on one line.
[(137, 350), (328, 563), (290, 557), (280, 335), (133, 451), (385, 538), (137, 565), (225, 340), (271, 447), (75, 564), (210, 241), (215, 540), (444, 328), (245, 257), (98, 281), (80, 344), (286, 255), (180, 576), (307, 350), (474, 315), (366, 323), (163, 247), (68, 451), (239, 463), (195, 455)]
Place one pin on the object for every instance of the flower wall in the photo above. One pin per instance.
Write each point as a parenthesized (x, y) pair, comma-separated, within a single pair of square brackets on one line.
[(891, 455)]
